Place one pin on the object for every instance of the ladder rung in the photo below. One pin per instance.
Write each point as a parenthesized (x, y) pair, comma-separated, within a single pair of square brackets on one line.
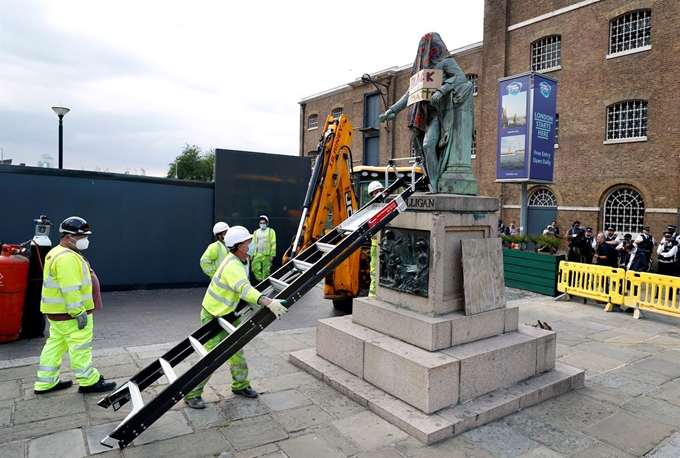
[(324, 247), (135, 396), (168, 370), (200, 349), (278, 284), (227, 326), (302, 265)]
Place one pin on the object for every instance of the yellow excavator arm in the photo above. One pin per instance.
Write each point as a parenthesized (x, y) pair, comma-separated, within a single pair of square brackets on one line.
[(330, 200)]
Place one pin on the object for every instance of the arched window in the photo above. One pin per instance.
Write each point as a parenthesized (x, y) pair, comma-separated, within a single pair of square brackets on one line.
[(630, 31), (543, 198), (624, 210), (546, 53), (336, 113)]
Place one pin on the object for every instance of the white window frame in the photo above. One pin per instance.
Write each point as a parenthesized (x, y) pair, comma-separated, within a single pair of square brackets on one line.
[(473, 149), (631, 206), (540, 53), (610, 128), (542, 197), (628, 19), (473, 78), (314, 117), (557, 130), (336, 112)]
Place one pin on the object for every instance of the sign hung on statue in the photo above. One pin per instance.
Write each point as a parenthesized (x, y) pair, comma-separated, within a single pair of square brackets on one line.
[(527, 106), (423, 84)]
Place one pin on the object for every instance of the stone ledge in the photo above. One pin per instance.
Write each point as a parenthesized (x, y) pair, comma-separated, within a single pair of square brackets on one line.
[(450, 421), (342, 342), (422, 201)]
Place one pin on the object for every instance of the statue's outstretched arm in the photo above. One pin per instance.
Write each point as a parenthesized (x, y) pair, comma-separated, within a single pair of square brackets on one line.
[(392, 111)]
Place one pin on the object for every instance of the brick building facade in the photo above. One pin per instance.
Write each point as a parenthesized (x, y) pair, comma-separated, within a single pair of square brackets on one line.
[(617, 156)]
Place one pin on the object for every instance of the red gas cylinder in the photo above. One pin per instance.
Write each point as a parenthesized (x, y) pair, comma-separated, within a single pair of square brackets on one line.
[(13, 282)]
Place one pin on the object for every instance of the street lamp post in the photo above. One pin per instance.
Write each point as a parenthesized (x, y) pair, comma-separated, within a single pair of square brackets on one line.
[(61, 112)]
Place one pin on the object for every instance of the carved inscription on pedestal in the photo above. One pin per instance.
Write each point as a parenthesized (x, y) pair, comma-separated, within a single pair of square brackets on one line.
[(405, 260)]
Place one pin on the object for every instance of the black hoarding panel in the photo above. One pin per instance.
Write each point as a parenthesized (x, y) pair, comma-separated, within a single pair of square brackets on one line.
[(146, 232), (249, 184)]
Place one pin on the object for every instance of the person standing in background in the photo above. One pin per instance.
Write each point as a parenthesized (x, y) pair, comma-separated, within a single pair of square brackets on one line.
[(264, 239)]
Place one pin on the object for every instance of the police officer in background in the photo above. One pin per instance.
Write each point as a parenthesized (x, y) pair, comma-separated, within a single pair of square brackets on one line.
[(216, 251), (591, 243), (666, 254), (611, 238), (646, 242), (70, 293)]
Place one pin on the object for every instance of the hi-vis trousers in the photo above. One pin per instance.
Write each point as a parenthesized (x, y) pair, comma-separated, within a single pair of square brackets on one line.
[(237, 363), (65, 336)]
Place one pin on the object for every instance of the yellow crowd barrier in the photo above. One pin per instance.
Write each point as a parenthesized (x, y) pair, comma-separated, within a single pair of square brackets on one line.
[(653, 293), (641, 290), (590, 281)]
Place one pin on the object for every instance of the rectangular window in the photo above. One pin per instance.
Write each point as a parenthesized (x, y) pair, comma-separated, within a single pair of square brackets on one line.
[(472, 77), (557, 129), (313, 122), (336, 113), (630, 31), (627, 120), (546, 54)]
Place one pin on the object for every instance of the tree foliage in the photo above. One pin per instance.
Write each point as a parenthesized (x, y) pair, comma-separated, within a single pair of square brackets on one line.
[(193, 164)]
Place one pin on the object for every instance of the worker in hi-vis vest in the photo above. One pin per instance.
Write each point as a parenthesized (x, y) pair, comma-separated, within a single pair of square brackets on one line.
[(374, 188), (70, 293), (265, 249), (216, 251), (229, 286)]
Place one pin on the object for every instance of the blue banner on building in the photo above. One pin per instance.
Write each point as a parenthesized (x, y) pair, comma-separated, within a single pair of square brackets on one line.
[(526, 128)]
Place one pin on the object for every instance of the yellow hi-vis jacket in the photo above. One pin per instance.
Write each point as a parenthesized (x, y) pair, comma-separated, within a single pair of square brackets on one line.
[(67, 284), (213, 257), (265, 241), (228, 286)]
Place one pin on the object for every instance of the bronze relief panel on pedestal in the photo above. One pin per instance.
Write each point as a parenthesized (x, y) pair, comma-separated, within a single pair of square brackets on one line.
[(405, 260)]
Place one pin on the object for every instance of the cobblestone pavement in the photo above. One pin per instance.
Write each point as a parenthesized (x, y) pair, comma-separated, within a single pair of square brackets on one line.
[(630, 405)]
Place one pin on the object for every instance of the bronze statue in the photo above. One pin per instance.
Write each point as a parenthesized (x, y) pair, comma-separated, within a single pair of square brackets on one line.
[(443, 126)]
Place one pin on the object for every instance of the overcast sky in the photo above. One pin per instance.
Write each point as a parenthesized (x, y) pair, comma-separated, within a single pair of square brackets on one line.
[(143, 78)]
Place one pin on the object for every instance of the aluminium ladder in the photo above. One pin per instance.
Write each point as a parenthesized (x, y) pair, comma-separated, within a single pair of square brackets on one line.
[(289, 283)]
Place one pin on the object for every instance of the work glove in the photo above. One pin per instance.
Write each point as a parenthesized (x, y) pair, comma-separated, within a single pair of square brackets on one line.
[(277, 308), (388, 116), (82, 320)]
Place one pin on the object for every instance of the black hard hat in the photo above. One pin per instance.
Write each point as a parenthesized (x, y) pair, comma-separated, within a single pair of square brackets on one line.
[(74, 225)]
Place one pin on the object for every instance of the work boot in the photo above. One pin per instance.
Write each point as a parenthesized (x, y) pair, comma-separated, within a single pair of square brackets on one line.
[(101, 386), (247, 392), (61, 385), (195, 403)]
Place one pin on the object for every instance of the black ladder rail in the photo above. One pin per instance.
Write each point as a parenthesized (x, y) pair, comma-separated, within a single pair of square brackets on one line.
[(348, 238)]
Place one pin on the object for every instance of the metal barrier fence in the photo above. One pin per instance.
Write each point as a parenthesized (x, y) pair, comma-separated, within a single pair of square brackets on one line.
[(643, 291), (591, 282)]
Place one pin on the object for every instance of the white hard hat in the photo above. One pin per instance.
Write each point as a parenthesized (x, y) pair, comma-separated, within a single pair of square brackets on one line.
[(220, 227), (236, 235), (264, 217), (375, 186)]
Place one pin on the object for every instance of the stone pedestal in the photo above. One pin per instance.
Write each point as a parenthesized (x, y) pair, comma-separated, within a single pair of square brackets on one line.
[(431, 365)]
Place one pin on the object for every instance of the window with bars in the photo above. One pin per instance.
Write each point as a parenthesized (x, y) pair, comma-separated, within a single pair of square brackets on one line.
[(624, 210), (546, 53), (627, 120), (630, 31), (543, 198), (557, 129), (336, 113), (313, 122), (473, 150), (472, 77)]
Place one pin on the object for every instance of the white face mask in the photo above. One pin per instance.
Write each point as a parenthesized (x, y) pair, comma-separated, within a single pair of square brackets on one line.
[(82, 244)]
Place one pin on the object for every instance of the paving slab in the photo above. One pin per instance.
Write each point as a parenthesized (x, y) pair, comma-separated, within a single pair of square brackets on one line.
[(501, 440), (670, 394), (558, 439), (654, 409), (206, 418), (95, 434), (172, 424), (254, 432), (641, 375), (264, 450), (588, 360), (602, 393), (294, 420), (331, 400), (386, 452), (284, 400), (456, 447), (238, 408), (64, 444), (48, 407), (198, 444), (602, 450), (637, 440), (10, 389), (15, 450), (623, 384), (338, 441), (574, 410), (307, 446), (369, 430), (38, 428)]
